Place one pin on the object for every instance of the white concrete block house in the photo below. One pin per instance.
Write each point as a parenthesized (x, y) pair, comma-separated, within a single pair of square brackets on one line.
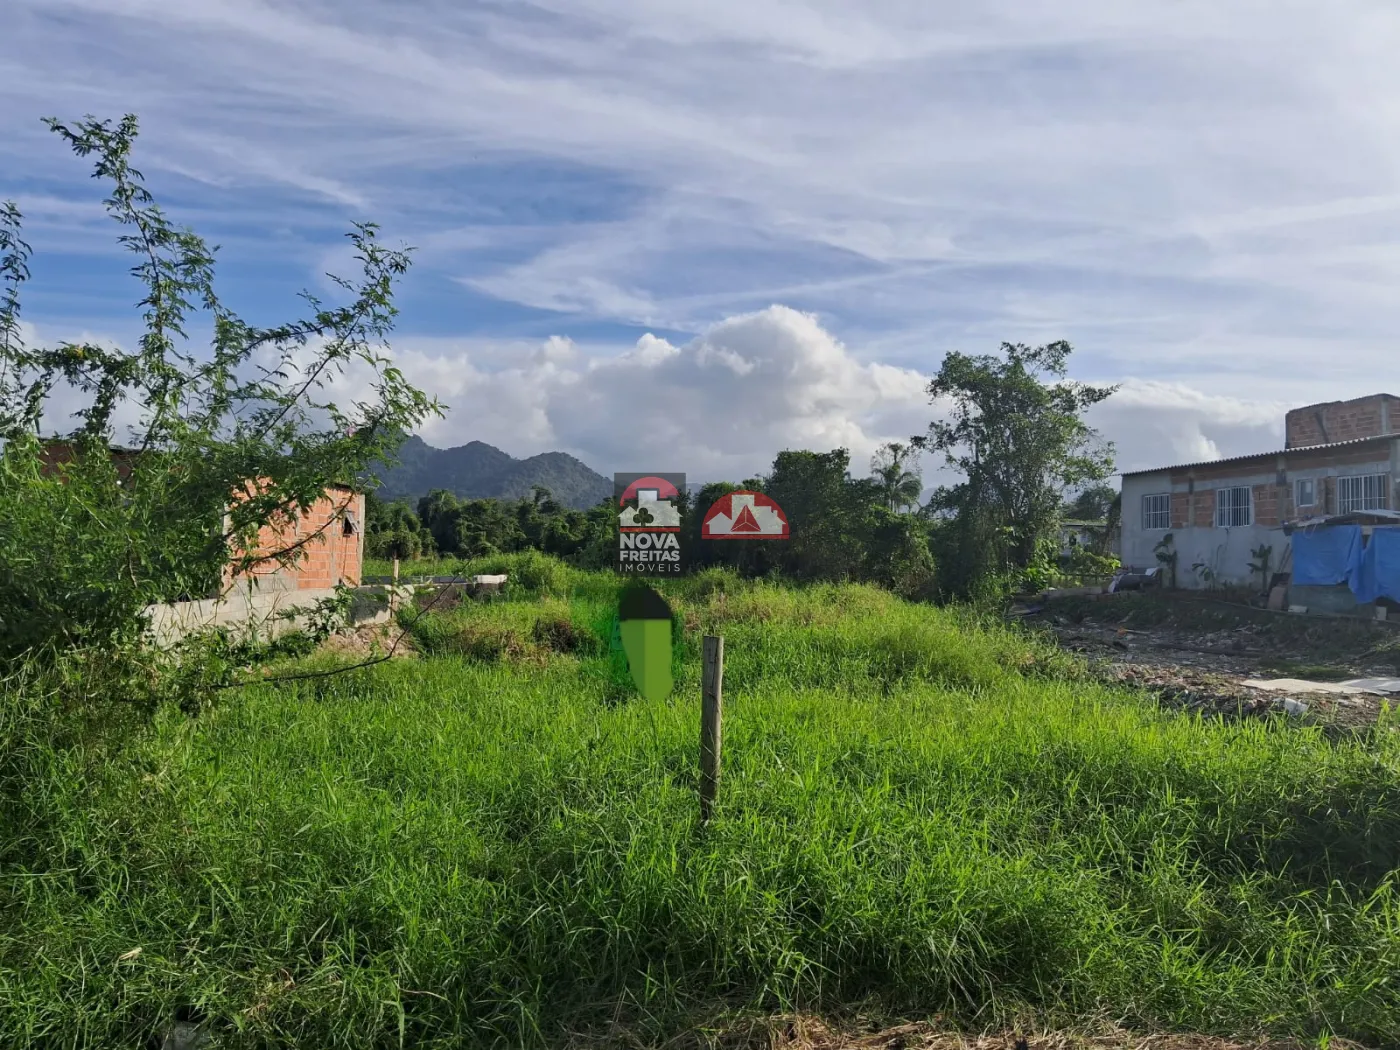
[(1341, 457)]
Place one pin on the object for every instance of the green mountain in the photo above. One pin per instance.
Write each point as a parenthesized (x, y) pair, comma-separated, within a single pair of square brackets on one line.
[(481, 471)]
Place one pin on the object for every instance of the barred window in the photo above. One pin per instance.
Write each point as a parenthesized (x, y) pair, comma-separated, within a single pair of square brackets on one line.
[(1233, 507), (1157, 511), (1362, 492)]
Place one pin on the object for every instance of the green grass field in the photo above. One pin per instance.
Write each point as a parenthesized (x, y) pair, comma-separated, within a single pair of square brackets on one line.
[(493, 845)]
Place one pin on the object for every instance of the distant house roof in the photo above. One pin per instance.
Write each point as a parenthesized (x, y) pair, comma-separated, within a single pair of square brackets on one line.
[(1262, 455)]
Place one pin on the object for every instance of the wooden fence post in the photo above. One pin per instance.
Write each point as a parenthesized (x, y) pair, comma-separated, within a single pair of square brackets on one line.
[(711, 720)]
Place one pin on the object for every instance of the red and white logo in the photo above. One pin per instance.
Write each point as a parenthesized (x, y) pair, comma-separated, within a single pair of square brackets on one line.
[(654, 511), (744, 516)]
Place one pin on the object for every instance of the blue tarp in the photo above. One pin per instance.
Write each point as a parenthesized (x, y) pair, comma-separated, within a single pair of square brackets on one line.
[(1378, 571), (1326, 555)]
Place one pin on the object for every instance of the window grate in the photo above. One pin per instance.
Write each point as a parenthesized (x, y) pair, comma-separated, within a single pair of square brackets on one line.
[(1362, 492), (1157, 511), (1233, 507)]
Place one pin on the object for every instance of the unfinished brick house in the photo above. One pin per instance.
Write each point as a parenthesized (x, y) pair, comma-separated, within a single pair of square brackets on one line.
[(1339, 458), (333, 557)]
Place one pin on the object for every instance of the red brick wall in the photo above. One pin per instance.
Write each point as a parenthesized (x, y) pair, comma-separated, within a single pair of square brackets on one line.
[(1205, 508), (1341, 421), (1181, 509), (1269, 504)]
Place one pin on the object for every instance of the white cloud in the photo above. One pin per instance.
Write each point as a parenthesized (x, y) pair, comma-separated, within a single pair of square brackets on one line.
[(1156, 424), (721, 405)]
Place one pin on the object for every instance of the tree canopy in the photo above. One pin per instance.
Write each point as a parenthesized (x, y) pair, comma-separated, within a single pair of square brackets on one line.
[(1091, 503), (1015, 434)]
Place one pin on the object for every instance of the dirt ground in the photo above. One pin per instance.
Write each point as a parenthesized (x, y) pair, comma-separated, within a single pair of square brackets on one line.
[(371, 640), (810, 1033), (1195, 652)]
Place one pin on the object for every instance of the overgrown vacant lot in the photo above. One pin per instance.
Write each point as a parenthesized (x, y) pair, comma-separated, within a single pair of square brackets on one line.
[(495, 846)]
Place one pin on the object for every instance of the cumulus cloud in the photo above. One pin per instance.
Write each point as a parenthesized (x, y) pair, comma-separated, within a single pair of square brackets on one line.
[(741, 391), (722, 404), (718, 406), (1156, 424)]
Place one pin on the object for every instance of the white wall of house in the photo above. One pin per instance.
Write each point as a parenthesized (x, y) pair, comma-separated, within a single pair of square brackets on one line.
[(1138, 541), (1227, 552)]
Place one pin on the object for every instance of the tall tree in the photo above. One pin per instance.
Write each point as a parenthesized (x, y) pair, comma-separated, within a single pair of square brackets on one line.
[(895, 467), (827, 511), (1015, 432), (393, 530)]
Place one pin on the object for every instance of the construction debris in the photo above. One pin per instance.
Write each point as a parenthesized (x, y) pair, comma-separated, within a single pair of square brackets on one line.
[(1378, 686), (1207, 657)]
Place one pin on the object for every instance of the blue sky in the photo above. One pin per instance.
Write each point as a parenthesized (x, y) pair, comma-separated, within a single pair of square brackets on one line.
[(745, 225)]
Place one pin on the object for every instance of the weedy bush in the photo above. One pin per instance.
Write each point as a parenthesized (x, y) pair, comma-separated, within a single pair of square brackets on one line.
[(529, 571), (232, 438)]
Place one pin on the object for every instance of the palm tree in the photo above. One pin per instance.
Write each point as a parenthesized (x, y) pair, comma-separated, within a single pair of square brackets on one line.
[(900, 486)]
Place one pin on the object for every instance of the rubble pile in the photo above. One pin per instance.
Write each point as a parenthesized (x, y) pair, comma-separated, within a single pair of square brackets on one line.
[(1215, 669)]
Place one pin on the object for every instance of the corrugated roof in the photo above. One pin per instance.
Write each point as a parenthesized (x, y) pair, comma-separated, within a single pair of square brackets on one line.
[(1261, 455)]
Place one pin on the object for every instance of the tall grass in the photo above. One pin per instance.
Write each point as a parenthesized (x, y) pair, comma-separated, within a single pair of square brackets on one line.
[(484, 847)]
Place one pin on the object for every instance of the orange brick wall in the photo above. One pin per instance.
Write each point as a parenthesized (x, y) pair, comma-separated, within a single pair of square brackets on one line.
[(327, 559), (1342, 420), (1271, 503)]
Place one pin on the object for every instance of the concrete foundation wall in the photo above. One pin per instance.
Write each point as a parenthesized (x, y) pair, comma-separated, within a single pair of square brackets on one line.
[(261, 615)]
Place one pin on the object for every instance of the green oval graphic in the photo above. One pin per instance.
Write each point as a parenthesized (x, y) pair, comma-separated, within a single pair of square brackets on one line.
[(644, 633)]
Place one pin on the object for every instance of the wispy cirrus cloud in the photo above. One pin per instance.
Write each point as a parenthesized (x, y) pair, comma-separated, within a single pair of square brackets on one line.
[(1200, 196)]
